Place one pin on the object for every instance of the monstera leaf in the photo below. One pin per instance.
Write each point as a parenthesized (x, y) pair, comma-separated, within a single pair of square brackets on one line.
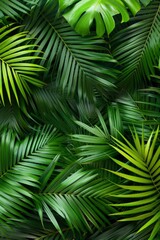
[(85, 12), (142, 181)]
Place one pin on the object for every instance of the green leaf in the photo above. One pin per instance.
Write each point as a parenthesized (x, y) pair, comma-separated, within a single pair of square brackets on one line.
[(137, 48), (146, 193), (151, 221), (48, 172), (16, 75), (13, 8), (78, 61), (100, 11), (52, 218)]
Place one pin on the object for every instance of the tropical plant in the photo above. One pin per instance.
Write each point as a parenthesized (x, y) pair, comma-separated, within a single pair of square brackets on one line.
[(79, 117), (15, 71), (83, 13), (143, 182)]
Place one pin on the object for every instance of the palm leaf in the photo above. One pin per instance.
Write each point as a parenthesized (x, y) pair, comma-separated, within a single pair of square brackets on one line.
[(32, 229), (34, 178), (118, 116), (82, 13), (75, 195), (121, 231), (16, 118), (21, 165), (50, 107), (15, 70), (137, 47), (76, 60), (13, 8), (131, 112), (143, 171), (149, 102), (94, 142)]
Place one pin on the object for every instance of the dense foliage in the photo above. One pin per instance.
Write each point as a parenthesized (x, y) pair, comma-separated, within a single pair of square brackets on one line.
[(79, 119)]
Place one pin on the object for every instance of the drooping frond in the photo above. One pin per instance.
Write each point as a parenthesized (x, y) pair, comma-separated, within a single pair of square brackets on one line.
[(80, 65), (137, 47), (17, 72)]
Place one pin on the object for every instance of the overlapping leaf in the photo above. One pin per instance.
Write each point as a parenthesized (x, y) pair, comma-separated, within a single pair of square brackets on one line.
[(35, 178), (149, 102), (142, 172), (16, 117), (94, 142), (77, 61), (13, 8), (137, 47), (17, 71), (76, 196), (21, 165), (83, 13)]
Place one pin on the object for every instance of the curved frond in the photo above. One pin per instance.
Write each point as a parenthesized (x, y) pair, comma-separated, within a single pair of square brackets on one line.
[(21, 165), (137, 47), (82, 65), (16, 72), (94, 142), (94, 138), (142, 168), (81, 14), (75, 195), (13, 8)]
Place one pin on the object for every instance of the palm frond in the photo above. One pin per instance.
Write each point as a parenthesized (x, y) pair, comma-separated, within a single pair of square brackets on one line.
[(142, 169), (32, 229), (82, 65), (75, 195), (21, 165), (35, 178), (131, 113), (94, 138), (16, 118), (149, 102), (13, 8), (94, 142), (16, 72), (50, 107), (121, 231), (137, 47)]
